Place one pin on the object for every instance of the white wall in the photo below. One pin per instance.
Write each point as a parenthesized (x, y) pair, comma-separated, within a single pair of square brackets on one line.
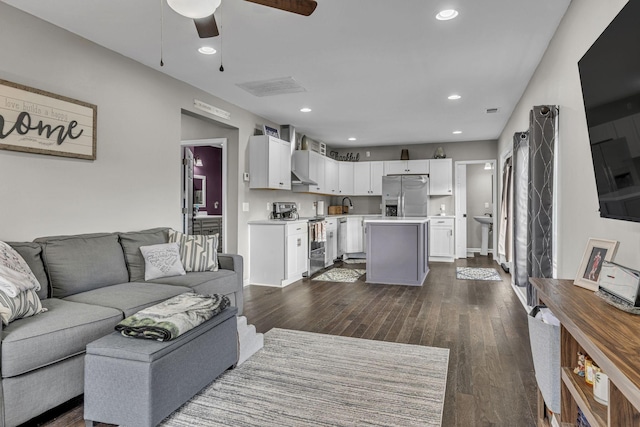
[(557, 81), (135, 181)]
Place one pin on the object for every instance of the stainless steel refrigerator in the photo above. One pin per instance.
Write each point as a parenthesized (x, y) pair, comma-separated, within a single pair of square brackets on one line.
[(405, 195)]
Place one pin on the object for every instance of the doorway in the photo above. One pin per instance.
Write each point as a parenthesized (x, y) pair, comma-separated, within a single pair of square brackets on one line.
[(204, 187), (476, 192)]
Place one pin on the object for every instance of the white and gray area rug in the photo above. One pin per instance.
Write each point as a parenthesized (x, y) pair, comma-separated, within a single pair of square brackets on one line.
[(348, 275), (309, 379), (355, 261), (476, 273)]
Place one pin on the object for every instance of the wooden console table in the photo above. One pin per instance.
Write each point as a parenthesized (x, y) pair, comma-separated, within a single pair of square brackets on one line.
[(611, 337)]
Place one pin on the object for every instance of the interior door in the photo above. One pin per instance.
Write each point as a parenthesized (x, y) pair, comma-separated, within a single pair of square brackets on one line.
[(461, 210), (187, 190)]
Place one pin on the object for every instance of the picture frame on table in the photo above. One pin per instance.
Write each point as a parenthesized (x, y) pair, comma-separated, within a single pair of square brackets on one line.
[(596, 252), (268, 130)]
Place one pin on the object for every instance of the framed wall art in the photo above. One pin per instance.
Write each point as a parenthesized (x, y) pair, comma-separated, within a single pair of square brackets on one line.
[(596, 253), (35, 121)]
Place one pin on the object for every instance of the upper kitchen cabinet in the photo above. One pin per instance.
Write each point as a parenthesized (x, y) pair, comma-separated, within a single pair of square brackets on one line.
[(331, 177), (345, 178), (367, 178), (269, 163), (441, 177), (312, 165), (400, 167)]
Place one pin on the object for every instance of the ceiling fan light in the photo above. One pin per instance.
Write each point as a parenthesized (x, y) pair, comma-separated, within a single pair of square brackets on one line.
[(194, 9)]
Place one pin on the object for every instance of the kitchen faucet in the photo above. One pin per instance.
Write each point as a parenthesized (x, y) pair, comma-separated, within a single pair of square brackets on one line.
[(347, 198)]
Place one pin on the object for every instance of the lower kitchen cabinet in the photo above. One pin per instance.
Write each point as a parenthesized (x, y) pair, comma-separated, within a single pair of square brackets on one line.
[(278, 252), (441, 239), (209, 226), (355, 235)]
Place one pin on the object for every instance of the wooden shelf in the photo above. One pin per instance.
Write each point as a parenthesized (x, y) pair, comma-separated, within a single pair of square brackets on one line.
[(611, 337), (582, 393)]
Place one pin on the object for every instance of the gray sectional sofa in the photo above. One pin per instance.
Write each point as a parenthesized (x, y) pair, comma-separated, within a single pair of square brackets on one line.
[(89, 283)]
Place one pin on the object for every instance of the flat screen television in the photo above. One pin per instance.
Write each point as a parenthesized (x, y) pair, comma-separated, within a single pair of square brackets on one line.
[(610, 78)]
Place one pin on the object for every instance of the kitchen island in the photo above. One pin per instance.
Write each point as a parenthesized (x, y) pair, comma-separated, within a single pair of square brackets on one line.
[(397, 250)]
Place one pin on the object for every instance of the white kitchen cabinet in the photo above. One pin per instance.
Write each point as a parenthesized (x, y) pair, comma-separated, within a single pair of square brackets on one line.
[(367, 178), (441, 239), (403, 167), (278, 252), (312, 165), (345, 178), (269, 163), (355, 235), (441, 177), (331, 245), (331, 177)]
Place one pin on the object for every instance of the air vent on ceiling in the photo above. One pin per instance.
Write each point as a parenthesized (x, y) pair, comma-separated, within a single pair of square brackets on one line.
[(272, 87), (491, 110)]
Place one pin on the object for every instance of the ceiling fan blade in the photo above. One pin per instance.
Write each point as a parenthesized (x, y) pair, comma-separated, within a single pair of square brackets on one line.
[(301, 7), (206, 27)]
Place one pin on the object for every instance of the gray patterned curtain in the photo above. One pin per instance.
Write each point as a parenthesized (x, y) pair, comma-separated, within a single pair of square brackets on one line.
[(520, 207), (533, 171)]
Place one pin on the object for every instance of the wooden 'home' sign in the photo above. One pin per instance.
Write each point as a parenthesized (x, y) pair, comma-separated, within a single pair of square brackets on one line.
[(35, 121)]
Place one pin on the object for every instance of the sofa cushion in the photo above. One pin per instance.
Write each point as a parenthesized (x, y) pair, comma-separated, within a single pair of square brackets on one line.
[(61, 332), (131, 243), (31, 253), (197, 252), (23, 305), (83, 262), (162, 260), (206, 282), (15, 273), (129, 297)]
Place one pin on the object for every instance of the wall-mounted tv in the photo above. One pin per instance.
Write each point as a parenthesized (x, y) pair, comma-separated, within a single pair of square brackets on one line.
[(610, 78)]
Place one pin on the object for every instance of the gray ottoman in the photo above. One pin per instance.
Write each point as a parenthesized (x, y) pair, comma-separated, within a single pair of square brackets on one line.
[(138, 382)]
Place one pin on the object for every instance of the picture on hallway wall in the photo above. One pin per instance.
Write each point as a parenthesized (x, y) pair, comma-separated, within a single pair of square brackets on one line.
[(35, 121), (596, 252)]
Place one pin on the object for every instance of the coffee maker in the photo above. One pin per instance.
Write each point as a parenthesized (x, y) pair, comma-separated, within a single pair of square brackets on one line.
[(284, 211)]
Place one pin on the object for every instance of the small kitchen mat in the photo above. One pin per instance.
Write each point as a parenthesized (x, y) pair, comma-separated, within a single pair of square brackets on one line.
[(477, 273), (355, 261), (345, 275)]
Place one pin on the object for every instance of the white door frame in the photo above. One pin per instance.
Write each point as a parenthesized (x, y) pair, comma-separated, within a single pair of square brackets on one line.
[(503, 158), (222, 144), (459, 185)]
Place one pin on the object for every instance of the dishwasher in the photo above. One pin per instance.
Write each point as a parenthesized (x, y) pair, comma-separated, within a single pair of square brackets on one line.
[(342, 236)]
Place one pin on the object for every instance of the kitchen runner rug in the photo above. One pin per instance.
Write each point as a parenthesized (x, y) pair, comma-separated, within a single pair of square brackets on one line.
[(476, 273), (308, 379), (346, 275), (355, 261)]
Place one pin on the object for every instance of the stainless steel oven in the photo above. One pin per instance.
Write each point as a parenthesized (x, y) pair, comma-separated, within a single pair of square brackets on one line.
[(317, 241)]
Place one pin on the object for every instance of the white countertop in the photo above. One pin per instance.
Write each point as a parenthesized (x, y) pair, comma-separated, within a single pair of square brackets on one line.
[(207, 216), (396, 219), (278, 221), (442, 216)]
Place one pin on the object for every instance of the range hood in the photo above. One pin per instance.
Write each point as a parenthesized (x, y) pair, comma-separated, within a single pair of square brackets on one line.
[(288, 133), (298, 178)]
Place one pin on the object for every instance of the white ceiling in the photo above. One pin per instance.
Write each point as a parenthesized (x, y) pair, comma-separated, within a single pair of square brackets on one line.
[(376, 70)]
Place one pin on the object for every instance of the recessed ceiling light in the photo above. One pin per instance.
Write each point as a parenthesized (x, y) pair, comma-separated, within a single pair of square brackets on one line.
[(457, 132), (454, 96), (445, 15), (352, 139), (305, 110), (207, 50)]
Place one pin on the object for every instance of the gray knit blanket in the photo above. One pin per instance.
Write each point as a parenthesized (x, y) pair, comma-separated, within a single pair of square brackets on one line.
[(172, 318)]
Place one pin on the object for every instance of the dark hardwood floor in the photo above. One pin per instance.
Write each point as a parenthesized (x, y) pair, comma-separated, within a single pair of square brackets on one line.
[(490, 378)]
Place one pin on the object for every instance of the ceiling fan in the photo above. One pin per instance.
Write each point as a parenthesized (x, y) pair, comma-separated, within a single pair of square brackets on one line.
[(201, 11)]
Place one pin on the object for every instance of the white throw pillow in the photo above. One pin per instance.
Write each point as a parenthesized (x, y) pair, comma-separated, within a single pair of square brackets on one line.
[(25, 304), (162, 260), (197, 252), (15, 274)]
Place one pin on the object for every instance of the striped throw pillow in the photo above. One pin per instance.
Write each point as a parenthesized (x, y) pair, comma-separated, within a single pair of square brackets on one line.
[(25, 304), (197, 252)]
